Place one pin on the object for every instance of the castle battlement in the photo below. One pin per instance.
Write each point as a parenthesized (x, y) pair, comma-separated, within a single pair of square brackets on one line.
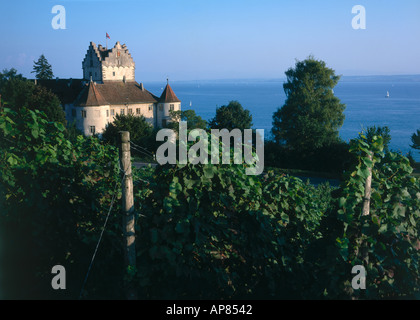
[(101, 64)]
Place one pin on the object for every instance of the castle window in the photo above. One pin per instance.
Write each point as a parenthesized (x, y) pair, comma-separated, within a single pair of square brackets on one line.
[(130, 111), (107, 113), (113, 74), (92, 129), (83, 113), (150, 107), (112, 112), (122, 112), (171, 107), (137, 110)]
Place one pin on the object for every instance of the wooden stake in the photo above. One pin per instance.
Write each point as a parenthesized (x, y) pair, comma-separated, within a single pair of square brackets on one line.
[(368, 191), (128, 208)]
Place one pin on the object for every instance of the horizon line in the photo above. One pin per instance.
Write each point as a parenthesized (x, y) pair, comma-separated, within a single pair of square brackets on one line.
[(259, 78)]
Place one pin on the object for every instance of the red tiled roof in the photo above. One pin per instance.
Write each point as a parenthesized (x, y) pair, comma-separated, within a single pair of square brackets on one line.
[(168, 95), (90, 96), (114, 93)]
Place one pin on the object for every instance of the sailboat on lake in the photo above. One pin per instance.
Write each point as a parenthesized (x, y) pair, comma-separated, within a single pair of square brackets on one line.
[(387, 94)]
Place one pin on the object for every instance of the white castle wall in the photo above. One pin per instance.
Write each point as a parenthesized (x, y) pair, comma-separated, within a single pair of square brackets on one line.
[(163, 112), (99, 117), (118, 73)]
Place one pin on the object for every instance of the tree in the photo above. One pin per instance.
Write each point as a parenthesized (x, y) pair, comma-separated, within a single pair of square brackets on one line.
[(7, 75), (141, 132), (42, 68), (311, 115), (20, 92), (194, 121), (232, 116), (415, 138)]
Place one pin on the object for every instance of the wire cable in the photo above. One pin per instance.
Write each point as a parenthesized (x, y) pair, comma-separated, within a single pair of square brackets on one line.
[(142, 152), (140, 147), (102, 232)]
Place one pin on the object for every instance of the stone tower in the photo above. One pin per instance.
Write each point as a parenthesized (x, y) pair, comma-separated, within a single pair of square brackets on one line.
[(101, 64), (167, 102)]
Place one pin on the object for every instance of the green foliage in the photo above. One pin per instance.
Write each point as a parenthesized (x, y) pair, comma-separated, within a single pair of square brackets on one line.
[(334, 158), (202, 231), (386, 242), (54, 196), (42, 69), (194, 121), (232, 116), (311, 115), (415, 139), (212, 232), (384, 132), (7, 75), (141, 131), (19, 93)]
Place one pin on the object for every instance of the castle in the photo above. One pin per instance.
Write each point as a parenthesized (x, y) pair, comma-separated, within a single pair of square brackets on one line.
[(109, 88)]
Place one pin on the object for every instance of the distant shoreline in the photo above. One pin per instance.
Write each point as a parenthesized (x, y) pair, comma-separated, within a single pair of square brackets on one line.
[(344, 78)]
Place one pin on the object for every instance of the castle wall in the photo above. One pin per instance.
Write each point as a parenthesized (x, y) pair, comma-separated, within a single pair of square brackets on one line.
[(118, 64), (114, 73), (92, 65), (98, 117), (163, 114)]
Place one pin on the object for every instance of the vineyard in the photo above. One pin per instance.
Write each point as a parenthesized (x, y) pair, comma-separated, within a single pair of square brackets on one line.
[(202, 231)]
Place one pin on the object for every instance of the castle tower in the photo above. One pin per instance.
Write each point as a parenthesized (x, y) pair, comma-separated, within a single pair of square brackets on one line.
[(101, 64), (167, 102)]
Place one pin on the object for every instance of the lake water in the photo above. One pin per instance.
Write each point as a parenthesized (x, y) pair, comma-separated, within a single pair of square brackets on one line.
[(366, 104)]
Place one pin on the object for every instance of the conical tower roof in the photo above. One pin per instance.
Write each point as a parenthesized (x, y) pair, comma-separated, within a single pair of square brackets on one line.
[(90, 97), (168, 95)]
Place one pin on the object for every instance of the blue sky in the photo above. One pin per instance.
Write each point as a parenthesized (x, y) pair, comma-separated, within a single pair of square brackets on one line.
[(203, 39)]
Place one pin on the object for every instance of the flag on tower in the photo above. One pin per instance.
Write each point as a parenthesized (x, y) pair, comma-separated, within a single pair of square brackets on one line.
[(107, 35)]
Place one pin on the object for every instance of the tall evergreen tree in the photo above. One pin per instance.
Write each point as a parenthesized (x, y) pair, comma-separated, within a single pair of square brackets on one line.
[(311, 115), (42, 68)]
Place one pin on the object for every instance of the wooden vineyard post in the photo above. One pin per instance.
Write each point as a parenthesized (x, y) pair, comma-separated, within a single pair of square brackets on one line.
[(128, 209), (368, 191)]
